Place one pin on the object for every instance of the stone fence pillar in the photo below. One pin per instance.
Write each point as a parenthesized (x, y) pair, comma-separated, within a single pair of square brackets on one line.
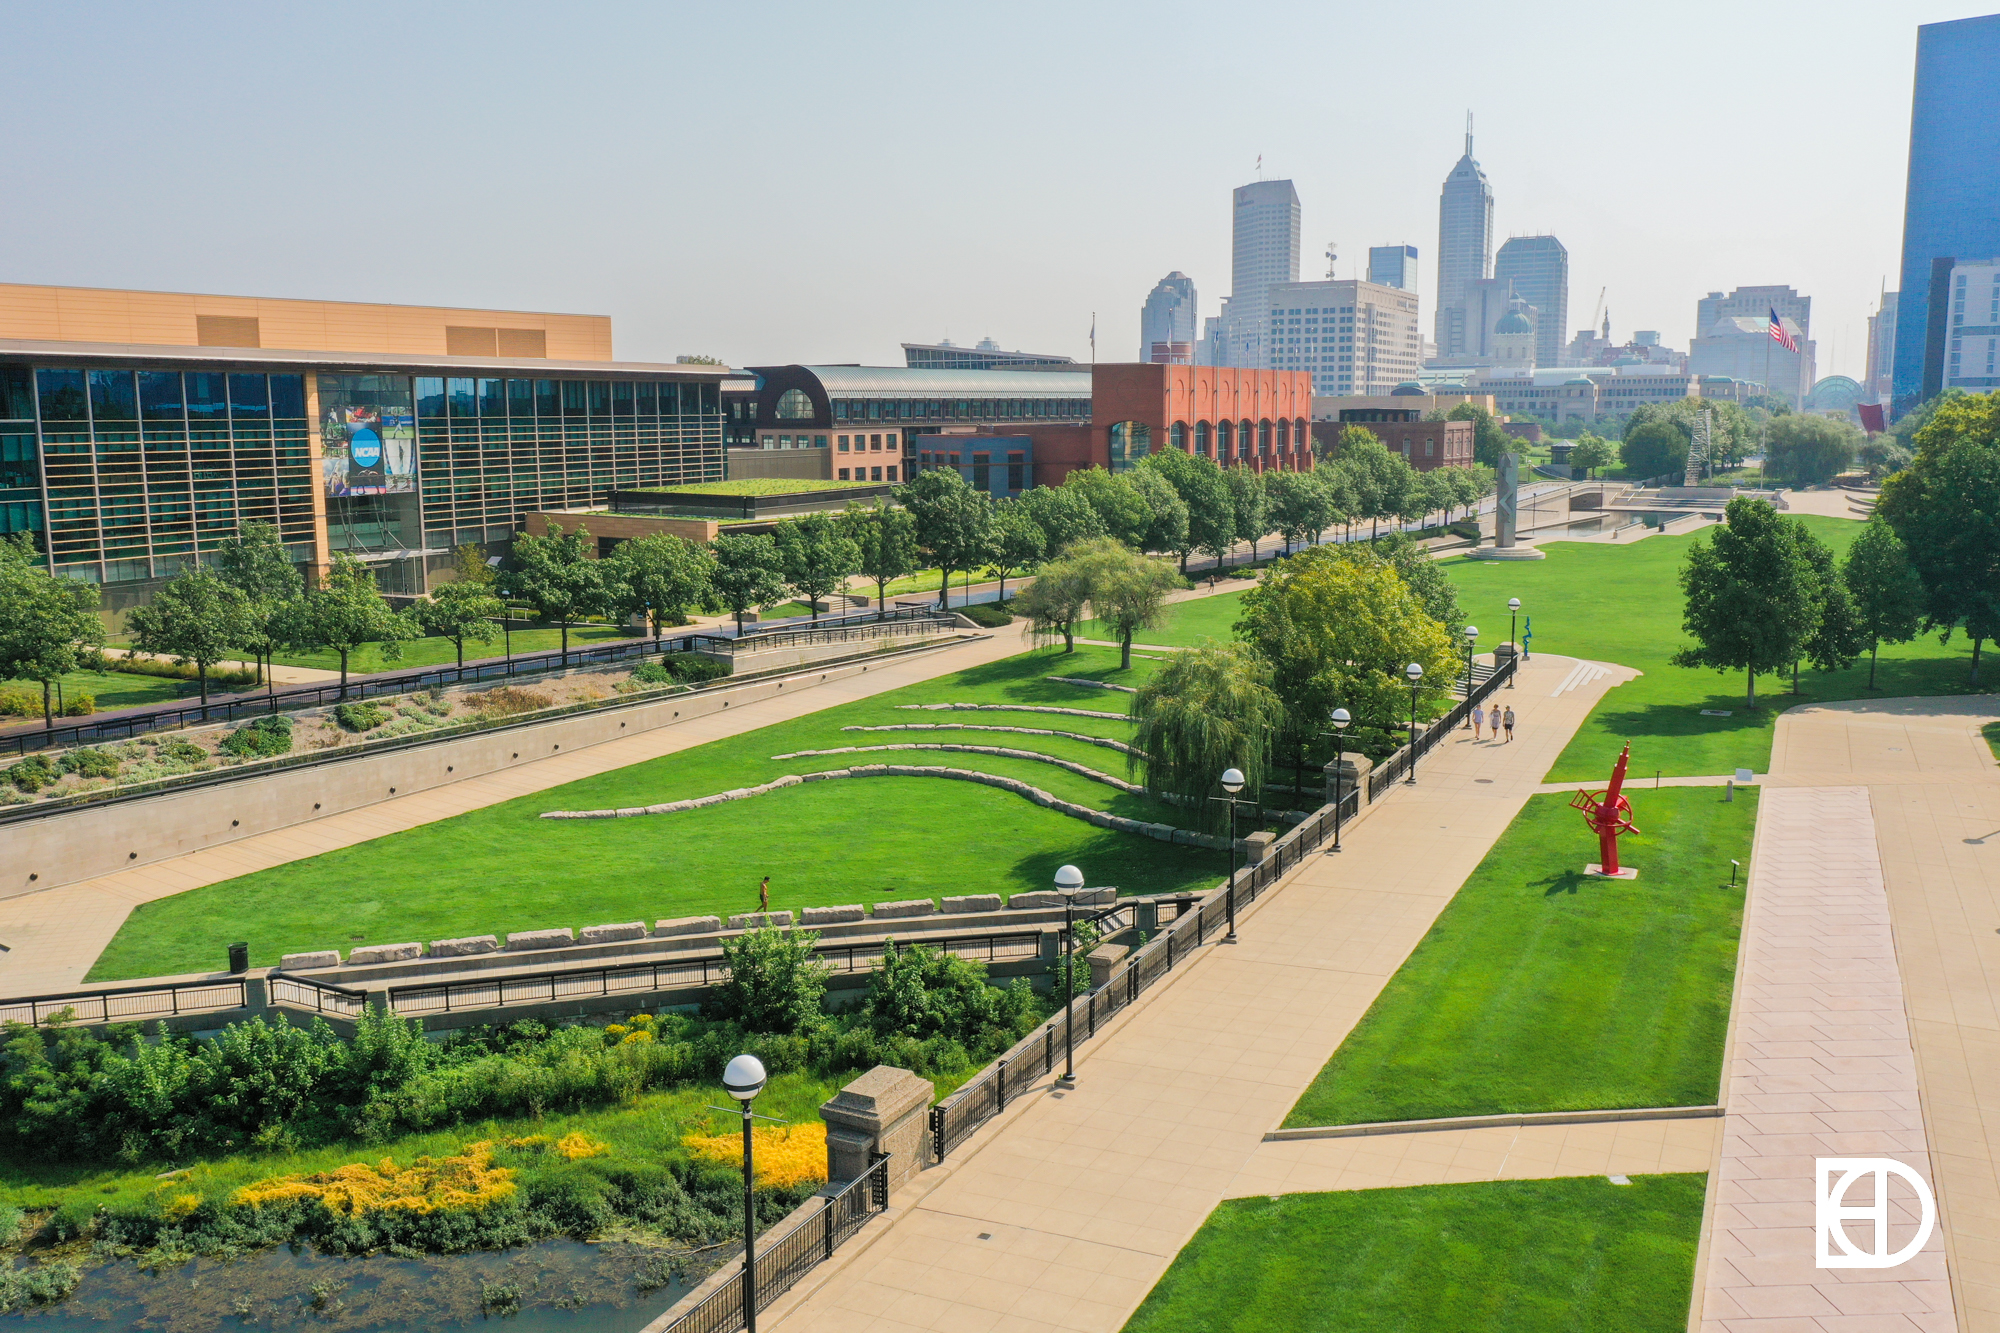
[(1353, 770), (1257, 846), (883, 1111)]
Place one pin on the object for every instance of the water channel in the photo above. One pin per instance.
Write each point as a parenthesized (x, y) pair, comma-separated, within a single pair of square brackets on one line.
[(562, 1286)]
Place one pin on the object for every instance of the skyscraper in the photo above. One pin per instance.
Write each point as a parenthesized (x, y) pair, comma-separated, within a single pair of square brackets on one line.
[(1168, 315), (1465, 238), (1538, 269), (1266, 251), (1951, 208), (1393, 266), (1882, 346)]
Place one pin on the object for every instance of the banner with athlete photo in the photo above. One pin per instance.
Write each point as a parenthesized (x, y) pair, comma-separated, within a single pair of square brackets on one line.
[(368, 435)]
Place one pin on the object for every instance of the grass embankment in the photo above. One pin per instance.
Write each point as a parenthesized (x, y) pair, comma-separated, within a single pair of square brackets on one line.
[(503, 869), (430, 652), (1185, 624), (1538, 989), (1577, 1255), (1611, 603)]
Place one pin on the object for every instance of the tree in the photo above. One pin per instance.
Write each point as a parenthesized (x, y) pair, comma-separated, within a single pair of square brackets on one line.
[(1882, 455), (560, 577), (470, 563), (817, 556), (1837, 637), (886, 539), (197, 618), (748, 573), (1808, 450), (1064, 516), (1350, 438), (1654, 448), (1207, 708), (343, 612), (47, 624), (1425, 578), (1337, 626), (1121, 510), (1591, 452), (1946, 507), (1751, 596), (772, 982), (661, 577), (1017, 541), (1127, 591), (1300, 506), (1888, 595), (953, 522), (1167, 514), (1059, 596), (1489, 438), (459, 611), (1211, 511), (256, 561), (1248, 497)]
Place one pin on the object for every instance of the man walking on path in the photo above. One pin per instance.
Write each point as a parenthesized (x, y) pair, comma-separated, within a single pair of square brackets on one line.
[(764, 895), (1507, 721), (1476, 720)]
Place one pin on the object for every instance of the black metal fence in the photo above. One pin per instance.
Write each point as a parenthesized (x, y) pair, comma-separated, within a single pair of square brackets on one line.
[(319, 997), (124, 726), (1398, 765), (125, 1004), (782, 1262)]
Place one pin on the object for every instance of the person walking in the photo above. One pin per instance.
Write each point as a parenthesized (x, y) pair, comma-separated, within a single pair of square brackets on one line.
[(1476, 720), (764, 895), (1507, 721)]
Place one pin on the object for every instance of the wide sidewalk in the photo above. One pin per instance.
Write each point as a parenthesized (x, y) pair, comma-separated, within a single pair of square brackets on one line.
[(53, 937), (1063, 1213)]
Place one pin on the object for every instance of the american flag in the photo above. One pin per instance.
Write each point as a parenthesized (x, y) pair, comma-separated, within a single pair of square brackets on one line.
[(1778, 334)]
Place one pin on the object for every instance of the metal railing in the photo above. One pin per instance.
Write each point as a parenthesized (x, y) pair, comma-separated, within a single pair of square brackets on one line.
[(320, 997), (124, 726), (585, 980), (1398, 765), (907, 622), (782, 1262), (125, 1004), (988, 1092)]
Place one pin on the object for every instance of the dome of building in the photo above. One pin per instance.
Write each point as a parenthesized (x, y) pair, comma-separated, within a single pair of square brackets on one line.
[(1407, 389), (1579, 380), (1513, 322)]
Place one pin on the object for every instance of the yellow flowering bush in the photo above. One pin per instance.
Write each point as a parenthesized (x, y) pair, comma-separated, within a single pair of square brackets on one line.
[(428, 1185), (785, 1154), (577, 1145)]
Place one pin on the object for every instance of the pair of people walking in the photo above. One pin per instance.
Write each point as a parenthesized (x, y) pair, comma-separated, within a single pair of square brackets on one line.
[(1502, 719)]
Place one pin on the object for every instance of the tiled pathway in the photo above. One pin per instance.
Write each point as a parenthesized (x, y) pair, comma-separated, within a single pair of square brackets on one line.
[(1820, 1065), (1063, 1213)]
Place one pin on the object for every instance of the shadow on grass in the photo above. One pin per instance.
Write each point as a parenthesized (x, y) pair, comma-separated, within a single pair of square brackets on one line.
[(1569, 881)]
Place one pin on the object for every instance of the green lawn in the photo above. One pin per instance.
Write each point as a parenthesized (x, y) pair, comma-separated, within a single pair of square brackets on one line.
[(1992, 733), (1622, 604), (1540, 990), (420, 653), (1575, 1255), (753, 486), (115, 689), (1186, 623), (502, 869)]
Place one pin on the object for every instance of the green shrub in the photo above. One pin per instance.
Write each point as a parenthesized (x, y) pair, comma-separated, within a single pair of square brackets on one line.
[(148, 666), (360, 717), (16, 702), (264, 738), (989, 615), (922, 993), (178, 751), (775, 983), (79, 705), (44, 1284), (90, 763), (681, 669), (32, 773)]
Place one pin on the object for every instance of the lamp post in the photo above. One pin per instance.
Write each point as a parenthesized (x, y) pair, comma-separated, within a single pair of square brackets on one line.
[(1232, 783), (1340, 724), (1414, 673), (1069, 880), (744, 1079), (1471, 637), (1514, 635)]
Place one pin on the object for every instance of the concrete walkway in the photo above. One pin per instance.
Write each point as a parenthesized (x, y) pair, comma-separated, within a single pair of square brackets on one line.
[(53, 937), (1062, 1213)]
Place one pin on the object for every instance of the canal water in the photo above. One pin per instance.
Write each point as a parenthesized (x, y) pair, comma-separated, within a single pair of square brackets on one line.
[(553, 1287)]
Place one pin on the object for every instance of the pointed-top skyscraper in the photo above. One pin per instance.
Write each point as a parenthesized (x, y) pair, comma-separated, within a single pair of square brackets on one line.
[(1465, 242)]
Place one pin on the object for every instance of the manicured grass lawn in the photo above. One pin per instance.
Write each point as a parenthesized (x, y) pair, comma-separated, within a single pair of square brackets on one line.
[(420, 653), (1186, 623), (1574, 1255), (113, 690), (1611, 603), (1540, 990), (502, 869), (1992, 733)]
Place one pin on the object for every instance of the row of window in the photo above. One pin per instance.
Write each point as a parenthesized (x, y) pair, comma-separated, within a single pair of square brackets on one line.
[(942, 409), (867, 473), (470, 396), (116, 396)]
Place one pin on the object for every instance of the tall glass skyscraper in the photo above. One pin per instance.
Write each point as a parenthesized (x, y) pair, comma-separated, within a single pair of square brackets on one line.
[(1168, 315), (1265, 232), (1538, 266), (1393, 266), (1951, 209), (1465, 239)]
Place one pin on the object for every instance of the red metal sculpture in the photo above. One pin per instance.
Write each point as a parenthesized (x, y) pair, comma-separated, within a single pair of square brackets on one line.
[(1609, 814)]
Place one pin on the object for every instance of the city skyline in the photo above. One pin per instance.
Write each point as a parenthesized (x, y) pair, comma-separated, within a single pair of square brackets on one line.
[(735, 271)]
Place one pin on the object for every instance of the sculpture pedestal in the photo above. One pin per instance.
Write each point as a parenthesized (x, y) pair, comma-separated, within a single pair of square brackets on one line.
[(1596, 871), (1505, 553)]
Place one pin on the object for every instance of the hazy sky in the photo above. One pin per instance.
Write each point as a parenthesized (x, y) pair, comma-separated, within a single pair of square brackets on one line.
[(820, 182)]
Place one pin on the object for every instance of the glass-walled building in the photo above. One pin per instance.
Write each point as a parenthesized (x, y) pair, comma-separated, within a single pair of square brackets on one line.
[(129, 462)]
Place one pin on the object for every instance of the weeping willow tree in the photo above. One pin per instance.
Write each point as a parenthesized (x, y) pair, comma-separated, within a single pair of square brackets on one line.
[(1206, 709)]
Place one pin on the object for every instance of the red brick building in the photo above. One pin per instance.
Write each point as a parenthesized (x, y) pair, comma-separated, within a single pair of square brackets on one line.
[(1423, 444), (1260, 418)]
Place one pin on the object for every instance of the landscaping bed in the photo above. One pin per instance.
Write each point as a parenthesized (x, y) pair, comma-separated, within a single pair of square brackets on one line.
[(1538, 989)]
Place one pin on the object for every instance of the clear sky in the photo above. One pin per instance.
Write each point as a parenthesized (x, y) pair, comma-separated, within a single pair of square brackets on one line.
[(820, 182)]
